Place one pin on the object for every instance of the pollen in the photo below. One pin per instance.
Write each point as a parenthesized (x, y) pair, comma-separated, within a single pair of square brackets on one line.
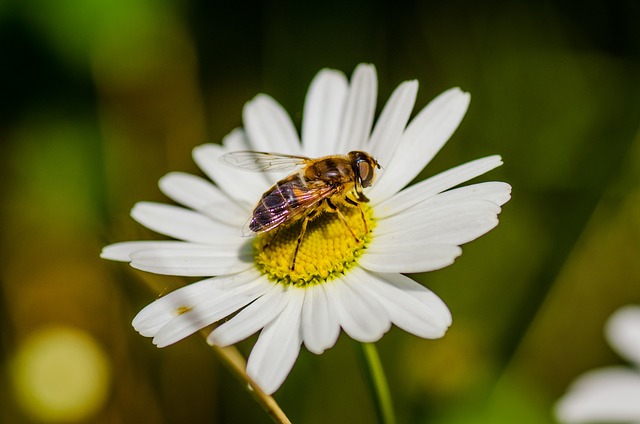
[(328, 247), (183, 310)]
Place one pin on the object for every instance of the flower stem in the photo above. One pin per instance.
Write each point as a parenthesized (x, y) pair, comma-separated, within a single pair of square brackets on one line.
[(235, 362), (377, 383)]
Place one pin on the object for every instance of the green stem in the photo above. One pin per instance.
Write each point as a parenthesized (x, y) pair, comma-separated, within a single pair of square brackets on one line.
[(234, 361), (377, 383)]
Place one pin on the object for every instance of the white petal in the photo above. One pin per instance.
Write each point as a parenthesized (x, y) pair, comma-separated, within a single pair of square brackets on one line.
[(408, 258), (246, 187), (455, 224), (277, 348), (496, 192), (359, 110), (623, 332), (424, 137), (392, 122), (361, 316), (155, 315), (320, 326), (437, 184), (605, 395), (409, 305), (251, 319), (122, 251), (180, 223), (493, 191), (269, 127), (194, 261), (323, 110), (209, 310), (202, 196)]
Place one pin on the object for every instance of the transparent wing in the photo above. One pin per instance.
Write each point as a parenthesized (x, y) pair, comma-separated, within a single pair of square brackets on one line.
[(270, 214), (263, 161)]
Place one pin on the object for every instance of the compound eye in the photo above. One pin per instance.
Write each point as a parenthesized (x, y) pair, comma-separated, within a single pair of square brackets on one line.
[(365, 172)]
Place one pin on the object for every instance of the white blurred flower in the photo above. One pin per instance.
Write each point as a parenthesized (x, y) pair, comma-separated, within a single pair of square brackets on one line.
[(337, 283), (609, 394)]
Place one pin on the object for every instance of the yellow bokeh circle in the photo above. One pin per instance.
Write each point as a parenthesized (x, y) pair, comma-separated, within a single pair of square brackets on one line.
[(60, 374)]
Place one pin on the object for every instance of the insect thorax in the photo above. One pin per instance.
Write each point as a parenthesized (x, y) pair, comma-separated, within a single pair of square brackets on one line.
[(332, 170)]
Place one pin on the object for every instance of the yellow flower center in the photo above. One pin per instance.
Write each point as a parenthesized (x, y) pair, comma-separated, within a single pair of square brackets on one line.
[(328, 247)]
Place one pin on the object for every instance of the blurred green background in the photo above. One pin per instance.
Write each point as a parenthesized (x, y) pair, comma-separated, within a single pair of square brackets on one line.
[(100, 98)]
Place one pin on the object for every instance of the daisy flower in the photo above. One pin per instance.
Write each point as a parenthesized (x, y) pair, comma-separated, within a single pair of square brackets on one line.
[(340, 281), (609, 394)]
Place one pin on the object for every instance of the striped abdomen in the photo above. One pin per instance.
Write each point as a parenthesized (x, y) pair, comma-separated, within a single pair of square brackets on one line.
[(293, 198), (278, 205)]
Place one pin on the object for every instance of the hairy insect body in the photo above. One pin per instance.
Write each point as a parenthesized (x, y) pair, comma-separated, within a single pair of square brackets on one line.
[(327, 179), (276, 204), (318, 185)]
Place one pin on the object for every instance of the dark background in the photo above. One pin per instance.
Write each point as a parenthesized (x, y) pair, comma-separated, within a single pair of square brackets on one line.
[(99, 99)]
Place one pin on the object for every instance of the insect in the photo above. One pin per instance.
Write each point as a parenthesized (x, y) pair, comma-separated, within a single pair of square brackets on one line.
[(317, 186)]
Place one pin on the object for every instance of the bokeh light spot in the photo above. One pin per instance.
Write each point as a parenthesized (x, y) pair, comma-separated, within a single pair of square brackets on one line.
[(60, 374)]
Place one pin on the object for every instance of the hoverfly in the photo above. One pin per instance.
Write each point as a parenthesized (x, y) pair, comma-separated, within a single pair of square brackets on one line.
[(318, 185)]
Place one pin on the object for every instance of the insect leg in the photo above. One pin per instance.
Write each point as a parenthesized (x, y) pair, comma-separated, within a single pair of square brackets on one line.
[(273, 237), (364, 220), (335, 209), (303, 230), (349, 201)]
